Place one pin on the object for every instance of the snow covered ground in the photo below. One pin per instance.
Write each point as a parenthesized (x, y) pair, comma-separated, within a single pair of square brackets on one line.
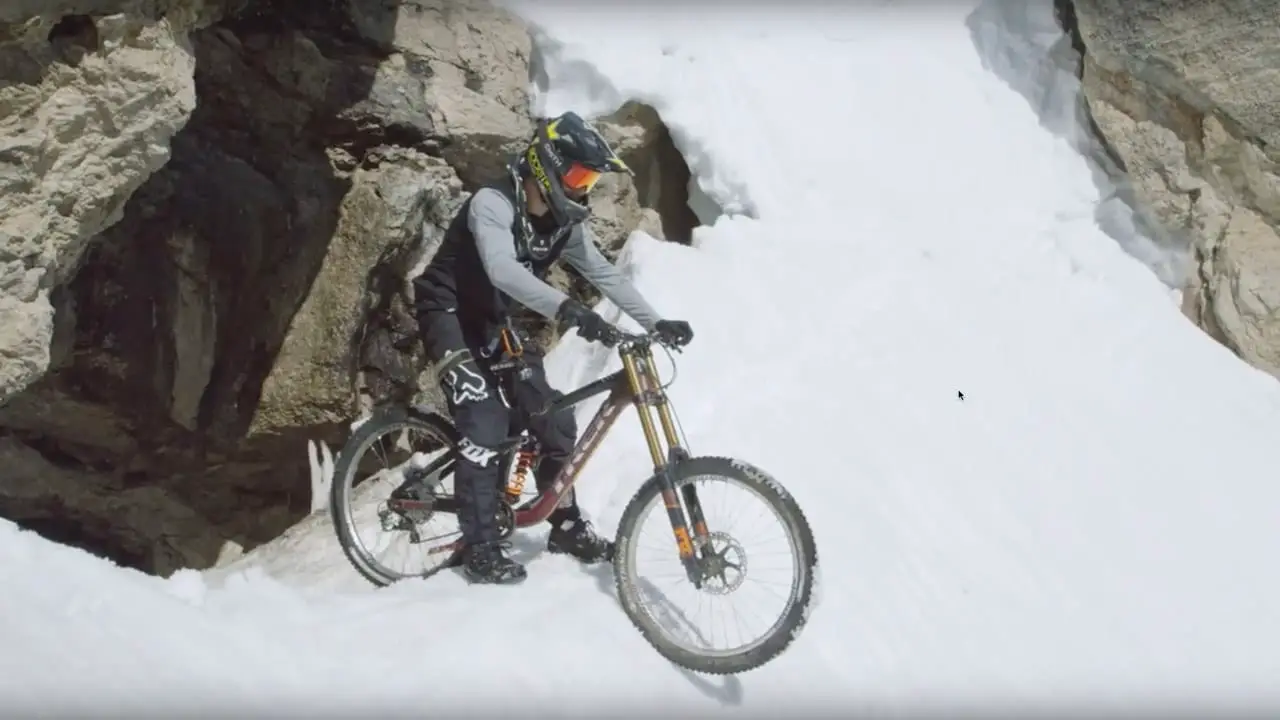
[(1092, 527)]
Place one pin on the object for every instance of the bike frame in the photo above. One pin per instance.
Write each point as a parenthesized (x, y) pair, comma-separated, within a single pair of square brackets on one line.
[(637, 383)]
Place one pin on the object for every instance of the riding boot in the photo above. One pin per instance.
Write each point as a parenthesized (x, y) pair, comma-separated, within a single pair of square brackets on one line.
[(575, 537), (488, 563), (570, 533)]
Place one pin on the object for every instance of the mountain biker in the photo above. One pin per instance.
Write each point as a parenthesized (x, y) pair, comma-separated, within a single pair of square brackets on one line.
[(497, 250)]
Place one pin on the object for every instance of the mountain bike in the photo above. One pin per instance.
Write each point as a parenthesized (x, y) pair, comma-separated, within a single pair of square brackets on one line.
[(713, 560)]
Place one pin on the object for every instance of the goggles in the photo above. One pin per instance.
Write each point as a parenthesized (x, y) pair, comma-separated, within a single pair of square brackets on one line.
[(579, 179)]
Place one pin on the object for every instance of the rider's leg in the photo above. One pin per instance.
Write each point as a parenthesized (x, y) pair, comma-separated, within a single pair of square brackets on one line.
[(481, 420), (557, 433)]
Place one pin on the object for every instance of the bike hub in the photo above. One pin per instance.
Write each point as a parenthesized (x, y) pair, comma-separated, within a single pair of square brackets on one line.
[(723, 570)]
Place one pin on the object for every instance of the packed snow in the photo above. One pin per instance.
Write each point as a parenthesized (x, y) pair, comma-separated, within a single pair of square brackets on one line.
[(1033, 483)]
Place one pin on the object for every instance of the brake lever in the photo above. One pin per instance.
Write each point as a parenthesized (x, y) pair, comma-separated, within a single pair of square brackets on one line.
[(672, 346)]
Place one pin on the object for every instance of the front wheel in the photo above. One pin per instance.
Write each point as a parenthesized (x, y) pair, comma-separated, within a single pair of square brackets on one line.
[(667, 629)]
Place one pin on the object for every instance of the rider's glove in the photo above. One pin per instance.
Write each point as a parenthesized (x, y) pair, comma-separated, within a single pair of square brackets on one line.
[(675, 333), (591, 327)]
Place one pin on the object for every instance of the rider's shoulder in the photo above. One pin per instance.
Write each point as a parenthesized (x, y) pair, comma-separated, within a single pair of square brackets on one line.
[(491, 200), (497, 192)]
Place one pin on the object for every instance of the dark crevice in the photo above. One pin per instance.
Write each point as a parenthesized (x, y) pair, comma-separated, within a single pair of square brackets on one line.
[(662, 175), (74, 36), (60, 454), (326, 22), (1065, 13), (389, 356), (672, 204), (77, 30), (84, 534)]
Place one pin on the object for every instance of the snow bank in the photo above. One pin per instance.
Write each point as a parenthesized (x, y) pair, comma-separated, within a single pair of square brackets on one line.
[(1022, 43)]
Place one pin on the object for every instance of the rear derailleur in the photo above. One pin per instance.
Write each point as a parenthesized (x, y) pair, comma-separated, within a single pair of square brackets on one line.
[(410, 506)]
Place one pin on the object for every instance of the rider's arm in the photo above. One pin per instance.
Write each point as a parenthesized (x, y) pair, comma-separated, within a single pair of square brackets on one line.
[(490, 219), (581, 252)]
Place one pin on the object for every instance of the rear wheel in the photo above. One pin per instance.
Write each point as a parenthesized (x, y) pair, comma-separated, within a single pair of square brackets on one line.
[(666, 628), (395, 453)]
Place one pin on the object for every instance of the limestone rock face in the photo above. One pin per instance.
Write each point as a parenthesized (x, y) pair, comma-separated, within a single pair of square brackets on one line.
[(1187, 95), (88, 104), (249, 194)]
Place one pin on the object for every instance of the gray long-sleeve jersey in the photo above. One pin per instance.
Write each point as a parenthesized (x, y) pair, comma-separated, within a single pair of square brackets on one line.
[(491, 218)]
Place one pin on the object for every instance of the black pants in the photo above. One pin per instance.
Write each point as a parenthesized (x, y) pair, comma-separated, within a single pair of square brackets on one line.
[(484, 421)]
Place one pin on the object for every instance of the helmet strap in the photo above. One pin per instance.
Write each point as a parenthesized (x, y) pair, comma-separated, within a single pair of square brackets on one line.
[(517, 170)]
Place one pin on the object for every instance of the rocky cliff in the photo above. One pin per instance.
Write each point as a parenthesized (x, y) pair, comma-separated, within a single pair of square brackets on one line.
[(1187, 98), (209, 212)]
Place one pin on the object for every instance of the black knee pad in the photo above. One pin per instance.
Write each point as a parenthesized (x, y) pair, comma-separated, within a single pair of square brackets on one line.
[(461, 379)]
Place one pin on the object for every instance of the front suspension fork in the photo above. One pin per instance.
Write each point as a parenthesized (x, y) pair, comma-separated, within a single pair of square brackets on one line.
[(683, 508)]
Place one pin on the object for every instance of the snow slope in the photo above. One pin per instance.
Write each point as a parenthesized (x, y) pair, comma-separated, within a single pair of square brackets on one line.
[(1091, 527)]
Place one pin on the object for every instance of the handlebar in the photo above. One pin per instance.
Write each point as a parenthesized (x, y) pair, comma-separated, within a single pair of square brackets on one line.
[(623, 340)]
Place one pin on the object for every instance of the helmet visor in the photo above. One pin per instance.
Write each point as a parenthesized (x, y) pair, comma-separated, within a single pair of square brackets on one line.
[(579, 179)]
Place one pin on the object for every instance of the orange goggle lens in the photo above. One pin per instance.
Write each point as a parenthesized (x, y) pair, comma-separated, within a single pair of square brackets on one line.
[(580, 178)]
